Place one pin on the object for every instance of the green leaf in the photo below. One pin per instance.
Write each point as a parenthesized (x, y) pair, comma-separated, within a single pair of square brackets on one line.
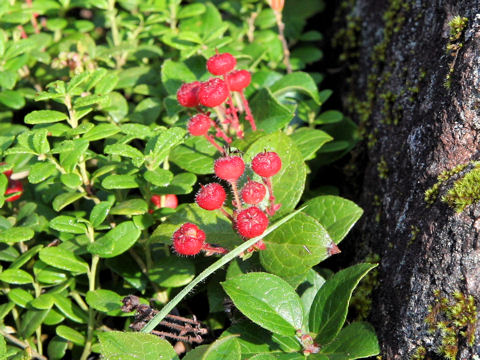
[(25, 257), (107, 84), (329, 117), (105, 301), (288, 254), (120, 182), (336, 214), (65, 199), (226, 348), (31, 321), (139, 346), (43, 302), (63, 259), (70, 334), (69, 159), (289, 183), (101, 131), (217, 227), (158, 177), (16, 234), (41, 171), (99, 213), (181, 184), (264, 357), (159, 147), (12, 99), (355, 341), (267, 300), (57, 348), (297, 81), (70, 310), (125, 151), (308, 289), (191, 10), (269, 114), (195, 155), (67, 224), (20, 297), (44, 116), (147, 110), (16, 276), (71, 180), (116, 241), (174, 74), (130, 207), (48, 274), (308, 141), (330, 306), (172, 271)]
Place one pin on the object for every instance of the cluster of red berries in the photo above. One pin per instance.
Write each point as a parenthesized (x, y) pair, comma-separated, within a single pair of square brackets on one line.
[(213, 93), (14, 188), (248, 222)]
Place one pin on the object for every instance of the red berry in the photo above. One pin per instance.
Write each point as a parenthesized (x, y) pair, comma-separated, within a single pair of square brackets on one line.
[(239, 80), (266, 164), (164, 201), (188, 239), (213, 92), (221, 64), (229, 168), (187, 95), (199, 125), (251, 222), (211, 196), (253, 192), (14, 186)]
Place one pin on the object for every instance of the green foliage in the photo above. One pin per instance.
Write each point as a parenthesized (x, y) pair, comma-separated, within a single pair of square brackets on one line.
[(465, 191), (91, 128)]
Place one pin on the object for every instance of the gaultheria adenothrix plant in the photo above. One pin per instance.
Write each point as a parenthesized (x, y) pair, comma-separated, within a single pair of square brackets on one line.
[(112, 115)]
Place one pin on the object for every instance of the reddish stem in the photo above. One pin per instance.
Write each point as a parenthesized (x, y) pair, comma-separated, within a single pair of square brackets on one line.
[(213, 249), (224, 212), (221, 134), (272, 208), (249, 116), (233, 111), (238, 204), (23, 34), (212, 141)]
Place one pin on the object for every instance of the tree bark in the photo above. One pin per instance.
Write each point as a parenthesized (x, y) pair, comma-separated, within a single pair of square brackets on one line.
[(416, 126)]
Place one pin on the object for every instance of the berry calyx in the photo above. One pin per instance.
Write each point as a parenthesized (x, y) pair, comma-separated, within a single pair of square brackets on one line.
[(221, 64), (253, 192), (187, 95), (213, 92), (199, 125), (229, 168), (188, 239), (14, 186), (266, 164), (211, 196), (239, 80), (251, 222), (164, 201)]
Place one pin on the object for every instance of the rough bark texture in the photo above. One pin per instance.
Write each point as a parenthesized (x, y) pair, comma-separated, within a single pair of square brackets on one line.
[(438, 128)]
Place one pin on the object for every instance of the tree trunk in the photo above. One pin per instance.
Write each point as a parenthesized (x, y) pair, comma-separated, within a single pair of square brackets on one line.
[(416, 96)]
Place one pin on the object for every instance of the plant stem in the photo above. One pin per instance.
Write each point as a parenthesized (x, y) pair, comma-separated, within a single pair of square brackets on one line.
[(249, 116), (92, 274), (212, 141), (21, 344), (281, 35), (238, 203), (210, 270)]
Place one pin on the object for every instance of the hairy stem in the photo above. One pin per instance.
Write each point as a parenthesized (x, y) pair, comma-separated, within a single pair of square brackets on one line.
[(281, 35)]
